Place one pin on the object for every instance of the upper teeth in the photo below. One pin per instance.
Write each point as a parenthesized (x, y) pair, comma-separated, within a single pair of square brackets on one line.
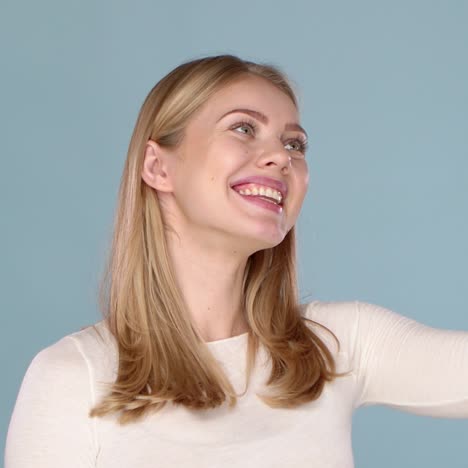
[(265, 191)]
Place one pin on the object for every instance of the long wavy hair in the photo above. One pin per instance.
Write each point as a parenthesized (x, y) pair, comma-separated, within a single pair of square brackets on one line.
[(161, 356)]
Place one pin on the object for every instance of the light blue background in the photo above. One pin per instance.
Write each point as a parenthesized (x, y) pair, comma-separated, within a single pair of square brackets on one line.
[(384, 94)]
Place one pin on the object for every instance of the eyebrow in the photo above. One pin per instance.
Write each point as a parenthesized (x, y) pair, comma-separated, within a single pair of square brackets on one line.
[(264, 119)]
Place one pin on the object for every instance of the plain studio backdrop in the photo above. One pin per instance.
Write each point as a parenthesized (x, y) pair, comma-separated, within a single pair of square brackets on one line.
[(383, 88)]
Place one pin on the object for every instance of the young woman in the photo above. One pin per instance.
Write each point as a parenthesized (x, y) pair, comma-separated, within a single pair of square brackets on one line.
[(205, 358)]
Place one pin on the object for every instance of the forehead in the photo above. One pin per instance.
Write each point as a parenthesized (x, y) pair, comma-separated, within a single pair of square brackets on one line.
[(252, 92)]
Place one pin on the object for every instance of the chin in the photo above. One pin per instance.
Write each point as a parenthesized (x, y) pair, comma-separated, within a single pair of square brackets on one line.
[(272, 242)]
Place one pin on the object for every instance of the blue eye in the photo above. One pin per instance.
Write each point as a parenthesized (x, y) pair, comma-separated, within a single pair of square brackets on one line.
[(300, 145), (250, 126)]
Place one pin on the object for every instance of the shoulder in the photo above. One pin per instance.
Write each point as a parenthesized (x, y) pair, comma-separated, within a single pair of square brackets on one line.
[(96, 344), (78, 346), (50, 423), (338, 317), (343, 314), (349, 320), (357, 323), (76, 359), (333, 313)]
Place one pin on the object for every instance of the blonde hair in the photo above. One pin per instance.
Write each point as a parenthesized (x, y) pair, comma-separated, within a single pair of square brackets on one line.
[(162, 357)]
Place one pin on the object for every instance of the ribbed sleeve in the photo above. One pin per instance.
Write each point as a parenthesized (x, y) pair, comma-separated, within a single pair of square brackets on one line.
[(408, 365)]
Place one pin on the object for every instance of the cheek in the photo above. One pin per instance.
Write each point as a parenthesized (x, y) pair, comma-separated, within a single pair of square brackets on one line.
[(235, 145), (302, 181), (305, 186), (229, 154)]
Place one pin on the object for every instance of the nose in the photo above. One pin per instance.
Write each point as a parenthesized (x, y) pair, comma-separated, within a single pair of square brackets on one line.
[(276, 155)]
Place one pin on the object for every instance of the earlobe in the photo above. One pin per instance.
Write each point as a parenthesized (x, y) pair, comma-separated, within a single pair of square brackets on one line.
[(154, 171)]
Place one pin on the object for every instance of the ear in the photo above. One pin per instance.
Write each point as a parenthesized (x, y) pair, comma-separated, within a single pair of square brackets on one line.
[(155, 170)]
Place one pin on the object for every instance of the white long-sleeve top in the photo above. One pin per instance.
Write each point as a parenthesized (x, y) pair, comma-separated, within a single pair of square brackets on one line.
[(394, 361)]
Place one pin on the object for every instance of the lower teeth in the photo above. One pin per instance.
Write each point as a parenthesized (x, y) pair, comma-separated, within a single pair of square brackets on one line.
[(266, 199)]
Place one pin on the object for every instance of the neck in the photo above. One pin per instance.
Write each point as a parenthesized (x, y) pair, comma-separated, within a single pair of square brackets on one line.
[(211, 283)]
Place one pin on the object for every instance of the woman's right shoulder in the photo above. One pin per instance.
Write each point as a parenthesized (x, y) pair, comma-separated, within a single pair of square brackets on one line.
[(90, 352), (49, 424)]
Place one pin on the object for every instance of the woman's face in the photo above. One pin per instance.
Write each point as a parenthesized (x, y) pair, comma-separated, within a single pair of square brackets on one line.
[(247, 129)]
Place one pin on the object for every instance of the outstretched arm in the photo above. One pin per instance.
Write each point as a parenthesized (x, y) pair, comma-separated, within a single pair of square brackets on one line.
[(410, 366)]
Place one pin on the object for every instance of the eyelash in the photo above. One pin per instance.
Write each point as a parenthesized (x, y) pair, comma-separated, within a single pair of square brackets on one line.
[(303, 145)]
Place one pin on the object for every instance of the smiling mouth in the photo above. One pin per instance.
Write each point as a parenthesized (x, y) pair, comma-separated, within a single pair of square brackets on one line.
[(274, 201), (260, 191), (262, 201)]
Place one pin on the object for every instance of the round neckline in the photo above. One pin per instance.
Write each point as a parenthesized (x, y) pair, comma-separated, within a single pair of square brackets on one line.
[(231, 339), (243, 336)]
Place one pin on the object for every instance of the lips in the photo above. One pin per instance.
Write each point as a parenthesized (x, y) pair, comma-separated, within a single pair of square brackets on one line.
[(266, 181)]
